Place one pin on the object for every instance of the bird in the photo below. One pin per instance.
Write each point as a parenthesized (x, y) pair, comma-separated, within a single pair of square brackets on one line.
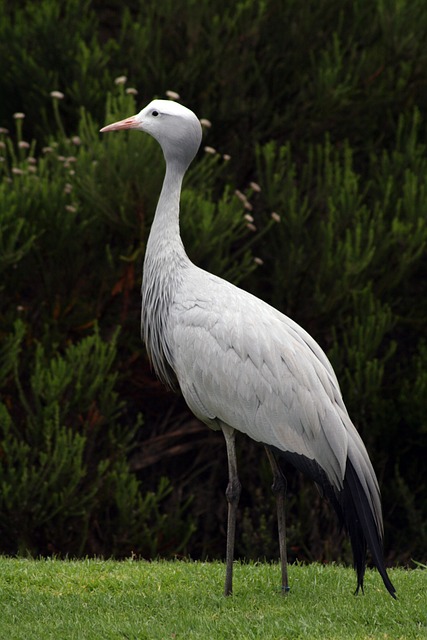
[(243, 366)]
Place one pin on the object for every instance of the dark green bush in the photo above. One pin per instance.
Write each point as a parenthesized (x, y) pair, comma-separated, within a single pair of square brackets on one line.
[(66, 487), (322, 104)]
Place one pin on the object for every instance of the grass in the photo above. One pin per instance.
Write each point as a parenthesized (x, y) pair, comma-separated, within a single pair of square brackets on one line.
[(130, 600)]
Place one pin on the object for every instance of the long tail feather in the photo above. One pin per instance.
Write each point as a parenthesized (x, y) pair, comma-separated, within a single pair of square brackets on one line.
[(358, 508), (362, 528)]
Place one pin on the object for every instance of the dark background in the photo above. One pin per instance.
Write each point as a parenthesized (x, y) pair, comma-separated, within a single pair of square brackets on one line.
[(321, 103)]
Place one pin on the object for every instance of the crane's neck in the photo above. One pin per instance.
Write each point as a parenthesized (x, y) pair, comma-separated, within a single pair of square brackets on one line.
[(164, 242), (164, 266)]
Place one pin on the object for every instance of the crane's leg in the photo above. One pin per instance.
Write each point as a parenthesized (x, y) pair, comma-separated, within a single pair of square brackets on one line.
[(232, 494), (279, 489)]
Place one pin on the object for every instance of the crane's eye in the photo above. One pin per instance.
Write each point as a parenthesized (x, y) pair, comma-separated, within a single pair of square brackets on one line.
[(154, 113)]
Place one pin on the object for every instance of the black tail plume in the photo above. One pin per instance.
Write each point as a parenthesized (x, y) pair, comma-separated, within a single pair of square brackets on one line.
[(362, 528), (354, 507)]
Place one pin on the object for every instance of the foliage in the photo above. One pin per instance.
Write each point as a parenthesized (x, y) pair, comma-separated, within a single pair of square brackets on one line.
[(65, 484), (328, 151)]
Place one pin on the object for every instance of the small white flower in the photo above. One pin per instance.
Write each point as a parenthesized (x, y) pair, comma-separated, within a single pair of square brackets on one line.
[(248, 205), (258, 261), (68, 188), (120, 80), (32, 169), (173, 95), (31, 160), (226, 157), (210, 150), (2, 159), (275, 216), (22, 144), (18, 115), (2, 145), (20, 308), (248, 217), (4, 130), (132, 91), (255, 186), (241, 196), (251, 226), (57, 95), (71, 208), (205, 123), (47, 150), (17, 172), (72, 172), (76, 140)]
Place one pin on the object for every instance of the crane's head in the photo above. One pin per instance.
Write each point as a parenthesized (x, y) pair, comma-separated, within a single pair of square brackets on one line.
[(176, 129)]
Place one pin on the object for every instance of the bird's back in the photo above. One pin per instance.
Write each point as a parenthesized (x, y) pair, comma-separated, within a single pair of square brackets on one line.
[(241, 362)]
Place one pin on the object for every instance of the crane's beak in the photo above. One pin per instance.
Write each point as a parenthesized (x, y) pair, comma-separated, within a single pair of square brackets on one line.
[(127, 123)]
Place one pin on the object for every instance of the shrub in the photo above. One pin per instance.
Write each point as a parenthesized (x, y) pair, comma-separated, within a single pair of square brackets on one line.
[(66, 487), (319, 103)]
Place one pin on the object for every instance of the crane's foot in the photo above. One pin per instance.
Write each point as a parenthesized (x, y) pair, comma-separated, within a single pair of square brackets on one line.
[(283, 590)]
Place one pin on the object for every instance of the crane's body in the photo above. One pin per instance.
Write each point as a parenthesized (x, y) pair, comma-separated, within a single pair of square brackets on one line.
[(242, 365), (240, 362)]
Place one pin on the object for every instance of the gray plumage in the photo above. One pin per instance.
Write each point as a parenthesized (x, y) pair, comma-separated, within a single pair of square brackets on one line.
[(242, 365)]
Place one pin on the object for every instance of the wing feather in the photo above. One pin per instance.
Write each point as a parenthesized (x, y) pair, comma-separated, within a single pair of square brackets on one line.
[(241, 362)]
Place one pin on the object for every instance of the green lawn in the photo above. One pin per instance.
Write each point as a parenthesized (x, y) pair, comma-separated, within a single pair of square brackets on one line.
[(137, 600)]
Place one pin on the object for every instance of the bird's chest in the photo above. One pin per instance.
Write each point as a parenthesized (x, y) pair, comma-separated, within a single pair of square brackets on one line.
[(157, 301)]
